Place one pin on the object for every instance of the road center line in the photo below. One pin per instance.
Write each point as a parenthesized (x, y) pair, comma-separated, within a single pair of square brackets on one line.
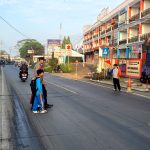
[(62, 87)]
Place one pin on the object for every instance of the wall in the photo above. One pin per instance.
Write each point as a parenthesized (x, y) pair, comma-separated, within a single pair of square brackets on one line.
[(122, 18), (146, 4), (123, 35), (145, 28), (134, 11), (133, 32)]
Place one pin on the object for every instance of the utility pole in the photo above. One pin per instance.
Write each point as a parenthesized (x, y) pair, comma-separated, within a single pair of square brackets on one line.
[(1, 43)]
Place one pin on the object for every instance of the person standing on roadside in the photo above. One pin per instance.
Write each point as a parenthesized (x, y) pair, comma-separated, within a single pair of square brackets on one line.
[(40, 65), (116, 73), (38, 105)]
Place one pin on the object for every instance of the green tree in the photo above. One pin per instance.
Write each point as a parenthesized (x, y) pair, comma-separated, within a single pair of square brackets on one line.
[(66, 41), (31, 45)]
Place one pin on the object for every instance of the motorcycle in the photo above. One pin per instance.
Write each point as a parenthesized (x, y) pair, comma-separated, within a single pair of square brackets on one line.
[(145, 78), (23, 76)]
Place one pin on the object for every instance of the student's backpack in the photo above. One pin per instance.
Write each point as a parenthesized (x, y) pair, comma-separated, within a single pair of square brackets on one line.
[(33, 86)]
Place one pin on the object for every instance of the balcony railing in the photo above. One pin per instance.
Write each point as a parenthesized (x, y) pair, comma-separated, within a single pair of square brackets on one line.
[(108, 30), (103, 32), (116, 26), (95, 36), (144, 36), (135, 17), (133, 39), (124, 41), (145, 12)]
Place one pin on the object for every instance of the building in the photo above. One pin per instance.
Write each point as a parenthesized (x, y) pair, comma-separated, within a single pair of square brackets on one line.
[(122, 34)]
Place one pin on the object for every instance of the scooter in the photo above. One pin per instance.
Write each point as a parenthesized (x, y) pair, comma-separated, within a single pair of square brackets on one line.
[(144, 79), (24, 76)]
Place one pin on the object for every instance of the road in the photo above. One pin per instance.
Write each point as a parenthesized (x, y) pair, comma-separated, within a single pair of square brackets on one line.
[(84, 117)]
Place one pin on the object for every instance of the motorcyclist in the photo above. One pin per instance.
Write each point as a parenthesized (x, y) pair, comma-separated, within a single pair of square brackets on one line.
[(23, 69)]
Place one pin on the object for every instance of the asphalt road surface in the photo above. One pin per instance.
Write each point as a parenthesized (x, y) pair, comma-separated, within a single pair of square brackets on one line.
[(84, 117)]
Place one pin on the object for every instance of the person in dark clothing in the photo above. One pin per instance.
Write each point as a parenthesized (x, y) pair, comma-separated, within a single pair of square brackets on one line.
[(23, 69), (40, 65)]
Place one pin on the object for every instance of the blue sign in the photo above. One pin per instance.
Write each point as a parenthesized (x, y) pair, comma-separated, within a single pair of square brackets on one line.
[(105, 51)]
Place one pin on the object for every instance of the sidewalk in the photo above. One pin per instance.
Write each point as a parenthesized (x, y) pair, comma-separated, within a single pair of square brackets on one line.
[(136, 85)]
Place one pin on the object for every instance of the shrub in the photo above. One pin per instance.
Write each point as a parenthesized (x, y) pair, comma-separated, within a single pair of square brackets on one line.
[(65, 68), (48, 69), (53, 63), (33, 65)]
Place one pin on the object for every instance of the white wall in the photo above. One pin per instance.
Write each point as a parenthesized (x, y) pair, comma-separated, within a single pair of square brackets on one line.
[(145, 28), (123, 35), (122, 18), (134, 11), (146, 4), (133, 32)]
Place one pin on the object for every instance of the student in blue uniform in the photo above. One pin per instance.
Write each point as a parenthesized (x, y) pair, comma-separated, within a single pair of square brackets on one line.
[(38, 105)]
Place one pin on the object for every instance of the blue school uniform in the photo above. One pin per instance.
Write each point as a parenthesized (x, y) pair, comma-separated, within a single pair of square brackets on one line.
[(37, 101)]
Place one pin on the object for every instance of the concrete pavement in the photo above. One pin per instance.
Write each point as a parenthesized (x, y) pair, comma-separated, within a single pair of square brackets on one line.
[(15, 131), (86, 116)]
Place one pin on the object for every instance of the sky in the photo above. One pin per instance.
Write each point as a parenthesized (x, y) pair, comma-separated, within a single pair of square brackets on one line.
[(41, 19)]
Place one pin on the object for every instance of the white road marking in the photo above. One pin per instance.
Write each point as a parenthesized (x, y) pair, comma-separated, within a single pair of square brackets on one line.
[(111, 88), (141, 95), (96, 84), (62, 87)]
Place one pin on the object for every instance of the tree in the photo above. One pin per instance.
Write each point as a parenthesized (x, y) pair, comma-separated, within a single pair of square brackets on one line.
[(30, 45), (66, 41)]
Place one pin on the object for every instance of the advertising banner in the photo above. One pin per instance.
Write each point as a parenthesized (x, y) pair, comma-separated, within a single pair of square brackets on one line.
[(134, 68), (136, 48), (54, 42)]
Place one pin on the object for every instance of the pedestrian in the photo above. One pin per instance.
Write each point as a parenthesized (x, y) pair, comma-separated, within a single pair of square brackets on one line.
[(38, 105), (116, 73), (40, 65)]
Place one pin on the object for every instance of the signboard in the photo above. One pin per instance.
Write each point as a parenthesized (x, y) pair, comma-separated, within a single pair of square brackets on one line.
[(30, 51), (53, 45), (136, 48), (133, 68), (68, 47), (105, 51), (54, 42)]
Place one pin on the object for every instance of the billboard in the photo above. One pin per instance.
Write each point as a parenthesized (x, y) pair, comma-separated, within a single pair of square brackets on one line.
[(134, 68), (52, 45), (54, 42)]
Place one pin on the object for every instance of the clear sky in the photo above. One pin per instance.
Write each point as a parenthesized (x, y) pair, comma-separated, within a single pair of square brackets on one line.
[(40, 19)]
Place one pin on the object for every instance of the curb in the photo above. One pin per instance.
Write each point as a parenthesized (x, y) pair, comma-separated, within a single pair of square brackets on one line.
[(135, 89)]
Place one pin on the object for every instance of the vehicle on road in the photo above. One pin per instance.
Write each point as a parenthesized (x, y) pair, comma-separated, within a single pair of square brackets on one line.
[(145, 78), (24, 75)]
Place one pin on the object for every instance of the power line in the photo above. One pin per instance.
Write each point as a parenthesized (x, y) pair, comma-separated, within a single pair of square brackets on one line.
[(14, 28)]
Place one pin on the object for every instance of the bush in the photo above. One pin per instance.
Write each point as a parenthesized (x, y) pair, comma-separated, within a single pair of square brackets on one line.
[(48, 69), (53, 63), (33, 65), (65, 68)]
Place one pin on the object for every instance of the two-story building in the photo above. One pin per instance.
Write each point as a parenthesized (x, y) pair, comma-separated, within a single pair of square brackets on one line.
[(125, 31)]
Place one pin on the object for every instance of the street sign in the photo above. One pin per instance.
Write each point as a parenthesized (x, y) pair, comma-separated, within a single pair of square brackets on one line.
[(30, 51), (68, 47), (105, 51)]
